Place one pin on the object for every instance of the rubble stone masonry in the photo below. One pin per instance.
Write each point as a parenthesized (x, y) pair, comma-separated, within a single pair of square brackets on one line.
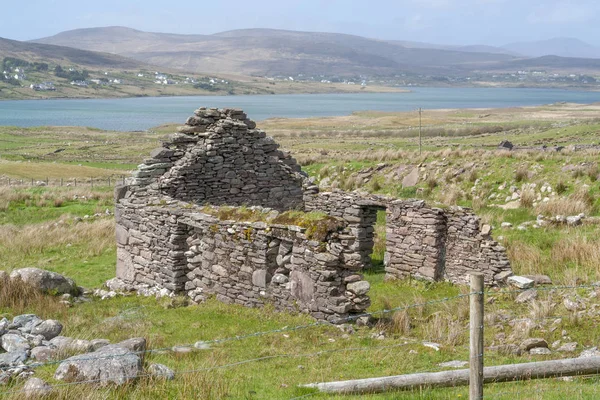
[(167, 237)]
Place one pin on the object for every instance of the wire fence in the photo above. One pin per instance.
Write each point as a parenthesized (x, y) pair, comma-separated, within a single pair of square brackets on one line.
[(584, 386)]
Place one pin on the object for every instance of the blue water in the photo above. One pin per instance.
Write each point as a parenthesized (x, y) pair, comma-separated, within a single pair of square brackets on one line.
[(143, 113)]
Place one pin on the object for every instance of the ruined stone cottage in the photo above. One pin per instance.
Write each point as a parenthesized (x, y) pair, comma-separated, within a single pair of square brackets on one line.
[(220, 210)]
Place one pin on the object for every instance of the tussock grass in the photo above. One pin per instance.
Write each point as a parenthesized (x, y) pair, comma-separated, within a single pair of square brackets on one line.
[(527, 197), (582, 201), (17, 297)]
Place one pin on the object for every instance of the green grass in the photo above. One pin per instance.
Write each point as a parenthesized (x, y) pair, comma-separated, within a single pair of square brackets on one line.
[(37, 231)]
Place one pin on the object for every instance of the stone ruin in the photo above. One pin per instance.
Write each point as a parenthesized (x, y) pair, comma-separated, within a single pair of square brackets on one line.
[(220, 210)]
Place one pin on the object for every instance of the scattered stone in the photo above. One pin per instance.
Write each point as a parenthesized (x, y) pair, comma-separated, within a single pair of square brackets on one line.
[(161, 371), (540, 279), (533, 343), (49, 329), (43, 353), (507, 349), (453, 364), (503, 276), (432, 345), (520, 282), (137, 345), (506, 225), (568, 347), (573, 305), (411, 179), (98, 343), (540, 351), (11, 342), (592, 352), (61, 343), (109, 364), (505, 145), (36, 387), (526, 296), (13, 358)]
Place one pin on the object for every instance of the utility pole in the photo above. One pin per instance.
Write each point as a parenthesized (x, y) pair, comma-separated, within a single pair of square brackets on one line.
[(420, 129)]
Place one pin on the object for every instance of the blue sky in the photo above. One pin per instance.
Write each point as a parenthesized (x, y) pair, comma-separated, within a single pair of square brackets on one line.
[(493, 22)]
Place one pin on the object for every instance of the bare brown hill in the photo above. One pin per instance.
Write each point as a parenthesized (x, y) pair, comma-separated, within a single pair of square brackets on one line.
[(61, 54), (274, 52)]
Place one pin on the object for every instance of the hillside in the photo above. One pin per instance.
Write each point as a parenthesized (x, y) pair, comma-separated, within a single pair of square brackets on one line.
[(61, 54), (563, 47), (274, 52)]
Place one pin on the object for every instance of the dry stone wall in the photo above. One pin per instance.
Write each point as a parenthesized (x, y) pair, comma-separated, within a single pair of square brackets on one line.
[(257, 263), (359, 211), (440, 244), (166, 236), (415, 240)]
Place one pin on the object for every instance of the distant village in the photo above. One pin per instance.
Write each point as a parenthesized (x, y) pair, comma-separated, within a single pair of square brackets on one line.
[(41, 77), (25, 74), (533, 77)]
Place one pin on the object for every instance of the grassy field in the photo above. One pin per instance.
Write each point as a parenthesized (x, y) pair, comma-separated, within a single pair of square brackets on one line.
[(68, 230)]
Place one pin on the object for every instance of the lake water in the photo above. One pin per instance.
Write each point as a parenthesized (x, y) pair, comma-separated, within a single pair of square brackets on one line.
[(143, 113)]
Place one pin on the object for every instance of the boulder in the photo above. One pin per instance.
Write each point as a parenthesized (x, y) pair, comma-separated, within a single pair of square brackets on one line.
[(43, 353), (161, 371), (540, 279), (46, 281), (61, 342), (35, 387), (533, 343), (49, 329), (137, 345), (13, 358), (24, 322), (505, 145), (526, 296), (411, 179), (13, 342), (110, 364)]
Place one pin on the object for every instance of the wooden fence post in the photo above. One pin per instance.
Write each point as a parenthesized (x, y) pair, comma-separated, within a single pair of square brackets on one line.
[(476, 347)]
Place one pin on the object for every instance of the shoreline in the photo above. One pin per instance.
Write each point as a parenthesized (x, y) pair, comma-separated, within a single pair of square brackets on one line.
[(405, 89)]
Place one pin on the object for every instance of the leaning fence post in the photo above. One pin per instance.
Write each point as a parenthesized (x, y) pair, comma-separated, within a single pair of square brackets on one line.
[(476, 348)]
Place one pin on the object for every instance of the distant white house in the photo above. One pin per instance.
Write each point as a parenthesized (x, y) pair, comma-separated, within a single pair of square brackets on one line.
[(79, 83), (44, 86)]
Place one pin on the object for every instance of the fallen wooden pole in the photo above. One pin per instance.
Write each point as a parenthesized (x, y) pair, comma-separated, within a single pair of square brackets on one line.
[(502, 373)]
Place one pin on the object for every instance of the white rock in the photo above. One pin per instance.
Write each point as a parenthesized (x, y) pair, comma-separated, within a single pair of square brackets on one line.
[(520, 282)]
